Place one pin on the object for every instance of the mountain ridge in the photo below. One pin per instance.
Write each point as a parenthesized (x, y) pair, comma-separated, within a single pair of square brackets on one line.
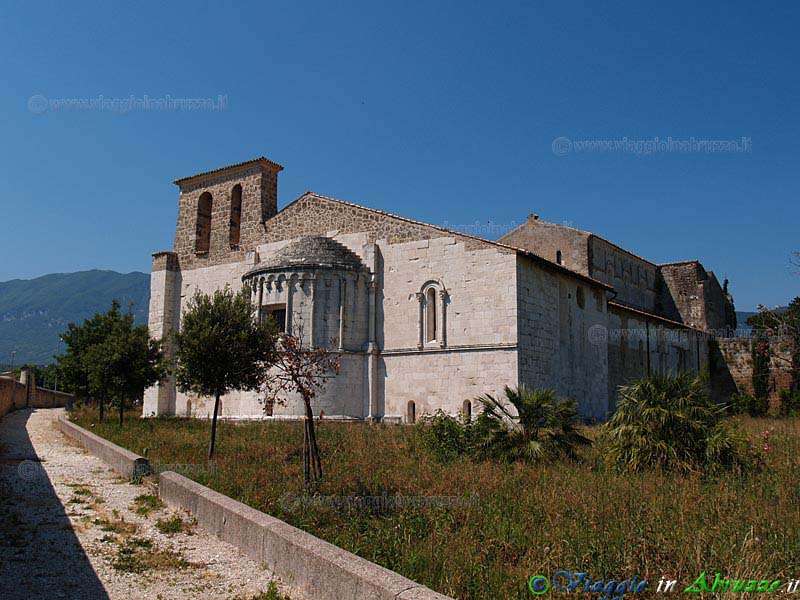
[(34, 312)]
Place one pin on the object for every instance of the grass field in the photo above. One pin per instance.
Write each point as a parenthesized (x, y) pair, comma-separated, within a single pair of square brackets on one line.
[(515, 520)]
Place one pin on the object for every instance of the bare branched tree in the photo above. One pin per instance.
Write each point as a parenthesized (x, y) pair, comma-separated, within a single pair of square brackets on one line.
[(304, 370)]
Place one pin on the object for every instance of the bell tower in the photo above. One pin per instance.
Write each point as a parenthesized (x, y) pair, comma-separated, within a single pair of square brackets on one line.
[(221, 213)]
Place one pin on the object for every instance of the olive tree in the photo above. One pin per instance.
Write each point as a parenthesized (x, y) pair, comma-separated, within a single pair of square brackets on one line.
[(221, 347)]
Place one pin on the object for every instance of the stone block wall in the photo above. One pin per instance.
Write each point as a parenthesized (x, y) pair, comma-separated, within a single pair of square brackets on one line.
[(12, 392), (556, 315), (549, 239), (633, 278), (737, 367), (639, 345), (690, 294), (442, 379), (480, 284), (477, 354), (259, 182), (25, 394)]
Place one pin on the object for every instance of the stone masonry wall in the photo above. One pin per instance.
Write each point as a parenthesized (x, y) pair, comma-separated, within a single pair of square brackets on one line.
[(16, 394), (633, 278), (259, 202), (547, 239), (478, 353), (738, 367), (682, 295), (632, 336), (555, 317)]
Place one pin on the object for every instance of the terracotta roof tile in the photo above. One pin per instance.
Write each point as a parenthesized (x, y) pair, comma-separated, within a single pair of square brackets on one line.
[(260, 159)]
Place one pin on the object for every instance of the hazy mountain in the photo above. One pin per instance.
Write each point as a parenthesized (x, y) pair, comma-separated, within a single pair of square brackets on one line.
[(742, 316), (34, 312)]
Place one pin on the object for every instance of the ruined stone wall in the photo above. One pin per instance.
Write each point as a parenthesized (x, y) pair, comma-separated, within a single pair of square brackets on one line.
[(737, 367), (548, 239), (557, 317), (716, 305), (682, 293), (633, 278)]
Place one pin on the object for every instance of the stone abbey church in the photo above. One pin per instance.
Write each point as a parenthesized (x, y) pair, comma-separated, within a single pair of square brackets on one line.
[(423, 317)]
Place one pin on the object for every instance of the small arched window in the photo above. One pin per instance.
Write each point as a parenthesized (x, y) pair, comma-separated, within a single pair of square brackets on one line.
[(411, 416), (236, 215), (430, 315), (559, 258), (467, 410), (203, 230)]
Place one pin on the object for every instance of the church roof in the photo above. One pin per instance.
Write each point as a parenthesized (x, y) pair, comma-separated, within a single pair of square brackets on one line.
[(260, 160), (522, 251), (310, 252)]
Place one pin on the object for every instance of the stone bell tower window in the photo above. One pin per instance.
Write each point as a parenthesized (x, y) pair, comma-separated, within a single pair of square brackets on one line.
[(203, 229), (236, 215)]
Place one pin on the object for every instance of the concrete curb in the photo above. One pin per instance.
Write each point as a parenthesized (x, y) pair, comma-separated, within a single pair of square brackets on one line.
[(123, 461), (320, 569)]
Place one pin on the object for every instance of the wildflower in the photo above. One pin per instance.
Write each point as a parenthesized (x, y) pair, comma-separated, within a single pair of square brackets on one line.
[(547, 549)]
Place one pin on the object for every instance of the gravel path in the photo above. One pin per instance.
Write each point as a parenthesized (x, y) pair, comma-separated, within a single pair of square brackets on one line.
[(70, 528)]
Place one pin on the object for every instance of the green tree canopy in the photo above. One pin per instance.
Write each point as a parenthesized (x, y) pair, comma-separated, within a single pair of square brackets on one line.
[(108, 358), (222, 346)]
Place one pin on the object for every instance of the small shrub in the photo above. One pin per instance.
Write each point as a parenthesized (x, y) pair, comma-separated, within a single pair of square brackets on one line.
[(789, 403), (747, 404), (446, 437), (119, 526), (671, 423), (272, 593), (144, 504), (137, 555), (173, 525)]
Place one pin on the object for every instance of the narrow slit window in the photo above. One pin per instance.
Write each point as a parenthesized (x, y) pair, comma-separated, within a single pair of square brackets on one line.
[(236, 215), (203, 231), (430, 315)]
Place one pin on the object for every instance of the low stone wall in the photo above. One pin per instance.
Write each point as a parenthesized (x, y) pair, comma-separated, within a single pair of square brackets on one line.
[(11, 393), (44, 398), (123, 461), (16, 394), (320, 569)]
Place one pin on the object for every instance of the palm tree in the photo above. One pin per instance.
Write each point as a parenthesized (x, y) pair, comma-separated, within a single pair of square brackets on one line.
[(670, 422), (543, 426)]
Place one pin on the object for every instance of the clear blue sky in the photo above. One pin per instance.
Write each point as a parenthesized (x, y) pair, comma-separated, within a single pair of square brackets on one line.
[(445, 112)]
